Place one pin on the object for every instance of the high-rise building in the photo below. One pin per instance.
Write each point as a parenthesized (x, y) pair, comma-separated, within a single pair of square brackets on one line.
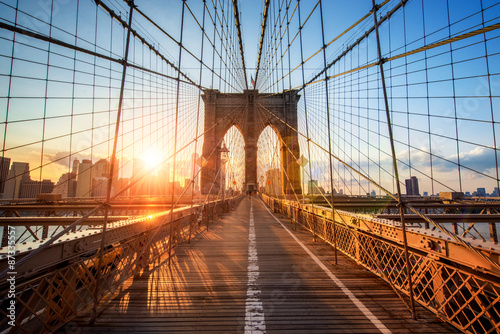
[(30, 188), (74, 170), (19, 173), (139, 186), (312, 187), (99, 186), (481, 192), (412, 186), (121, 186), (66, 186), (84, 179), (101, 168), (195, 168), (164, 186), (100, 174), (4, 171)]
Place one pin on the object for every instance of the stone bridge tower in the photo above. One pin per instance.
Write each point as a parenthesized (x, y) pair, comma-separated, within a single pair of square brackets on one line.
[(251, 112)]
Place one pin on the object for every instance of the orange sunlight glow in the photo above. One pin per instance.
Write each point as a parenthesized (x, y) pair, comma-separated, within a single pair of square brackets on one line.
[(151, 159)]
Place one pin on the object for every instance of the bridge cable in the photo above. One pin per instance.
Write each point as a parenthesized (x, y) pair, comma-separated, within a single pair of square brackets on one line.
[(170, 240), (329, 128), (262, 33), (240, 39), (335, 212), (390, 194), (305, 108), (395, 164), (112, 165)]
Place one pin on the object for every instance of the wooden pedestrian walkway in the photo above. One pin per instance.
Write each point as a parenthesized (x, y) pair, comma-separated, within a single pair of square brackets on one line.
[(251, 273)]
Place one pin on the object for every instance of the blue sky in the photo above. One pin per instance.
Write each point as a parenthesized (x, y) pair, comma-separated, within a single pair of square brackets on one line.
[(442, 102)]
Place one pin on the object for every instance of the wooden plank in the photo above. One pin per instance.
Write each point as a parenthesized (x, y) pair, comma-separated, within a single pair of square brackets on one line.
[(205, 287)]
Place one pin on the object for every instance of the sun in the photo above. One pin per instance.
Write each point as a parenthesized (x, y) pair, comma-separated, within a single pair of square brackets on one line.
[(151, 159)]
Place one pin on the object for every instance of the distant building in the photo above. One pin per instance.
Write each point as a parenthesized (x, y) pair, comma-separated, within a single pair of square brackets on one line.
[(426, 193), (100, 175), (162, 180), (195, 168), (373, 193), (412, 186), (121, 185), (99, 186), (84, 179), (312, 187), (19, 173), (66, 186), (4, 171), (495, 192), (30, 188), (481, 192), (74, 170), (100, 168)]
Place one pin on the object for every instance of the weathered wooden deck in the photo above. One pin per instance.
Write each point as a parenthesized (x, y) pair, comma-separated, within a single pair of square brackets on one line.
[(219, 283)]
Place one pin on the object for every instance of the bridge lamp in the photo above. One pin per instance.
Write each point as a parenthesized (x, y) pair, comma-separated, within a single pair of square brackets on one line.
[(302, 161), (224, 157)]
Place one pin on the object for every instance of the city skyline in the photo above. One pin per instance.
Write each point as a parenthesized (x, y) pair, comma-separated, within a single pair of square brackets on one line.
[(57, 104)]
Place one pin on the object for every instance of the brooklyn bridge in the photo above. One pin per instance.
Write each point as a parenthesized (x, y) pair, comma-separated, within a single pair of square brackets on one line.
[(273, 166)]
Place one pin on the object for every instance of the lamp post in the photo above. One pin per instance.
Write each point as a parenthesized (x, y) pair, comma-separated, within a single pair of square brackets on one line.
[(224, 157), (302, 161)]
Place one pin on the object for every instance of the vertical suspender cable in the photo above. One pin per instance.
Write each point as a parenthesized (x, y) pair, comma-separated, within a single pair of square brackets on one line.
[(262, 32), (240, 39), (394, 163), (112, 164), (45, 229), (332, 203), (197, 118), (305, 110), (175, 138), (214, 46)]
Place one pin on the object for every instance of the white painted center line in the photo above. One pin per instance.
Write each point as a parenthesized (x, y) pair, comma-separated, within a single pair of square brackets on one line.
[(254, 312), (374, 320)]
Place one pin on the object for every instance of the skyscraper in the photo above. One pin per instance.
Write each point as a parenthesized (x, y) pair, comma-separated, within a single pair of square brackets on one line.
[(30, 188), (19, 173), (412, 186), (66, 186), (84, 178), (74, 170), (4, 171)]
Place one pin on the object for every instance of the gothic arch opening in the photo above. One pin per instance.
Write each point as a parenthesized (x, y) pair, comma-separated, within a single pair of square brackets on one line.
[(222, 110), (269, 169), (234, 168)]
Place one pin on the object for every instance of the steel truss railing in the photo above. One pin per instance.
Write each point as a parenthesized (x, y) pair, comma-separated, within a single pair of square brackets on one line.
[(58, 288), (453, 285)]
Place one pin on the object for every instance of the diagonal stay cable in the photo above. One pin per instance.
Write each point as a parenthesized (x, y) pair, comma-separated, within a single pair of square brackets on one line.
[(390, 194)]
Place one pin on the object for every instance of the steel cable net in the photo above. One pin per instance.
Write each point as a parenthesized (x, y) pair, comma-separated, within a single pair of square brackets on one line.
[(62, 68), (441, 81), (398, 103), (81, 90), (102, 116)]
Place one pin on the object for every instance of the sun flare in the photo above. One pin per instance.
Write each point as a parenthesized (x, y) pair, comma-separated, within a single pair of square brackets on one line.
[(151, 159)]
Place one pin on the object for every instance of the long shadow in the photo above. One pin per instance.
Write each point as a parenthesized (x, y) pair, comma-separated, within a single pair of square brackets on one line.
[(298, 296), (193, 292)]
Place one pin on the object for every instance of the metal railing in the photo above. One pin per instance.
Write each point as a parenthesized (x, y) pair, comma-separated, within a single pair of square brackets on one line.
[(452, 282), (49, 294)]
